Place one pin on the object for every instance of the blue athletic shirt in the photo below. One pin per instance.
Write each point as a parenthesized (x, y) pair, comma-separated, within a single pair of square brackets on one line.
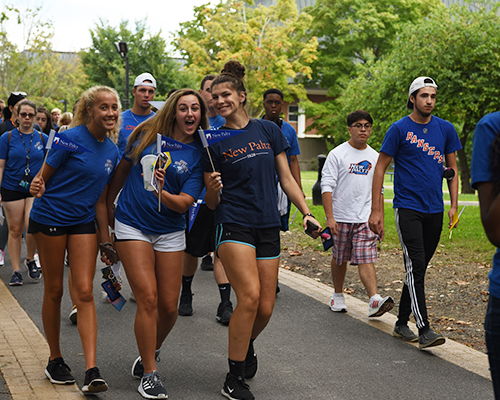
[(246, 163), (486, 130), (72, 191), (216, 122), (138, 207), (419, 152), (14, 152), (130, 121)]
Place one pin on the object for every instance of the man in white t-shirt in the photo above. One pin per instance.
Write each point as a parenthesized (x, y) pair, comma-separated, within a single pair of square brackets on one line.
[(346, 188)]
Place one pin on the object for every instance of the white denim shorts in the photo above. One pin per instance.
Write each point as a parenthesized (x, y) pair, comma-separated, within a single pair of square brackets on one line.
[(168, 242)]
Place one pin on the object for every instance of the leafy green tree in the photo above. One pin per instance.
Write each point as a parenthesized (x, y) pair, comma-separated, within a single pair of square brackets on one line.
[(271, 42), (146, 53), (460, 49)]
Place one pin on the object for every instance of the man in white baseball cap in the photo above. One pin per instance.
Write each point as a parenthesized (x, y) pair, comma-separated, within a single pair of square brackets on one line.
[(144, 91), (420, 144)]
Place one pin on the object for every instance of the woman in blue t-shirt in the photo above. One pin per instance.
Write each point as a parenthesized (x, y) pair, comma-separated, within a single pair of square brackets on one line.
[(21, 156), (247, 218), (70, 200), (485, 177), (149, 241)]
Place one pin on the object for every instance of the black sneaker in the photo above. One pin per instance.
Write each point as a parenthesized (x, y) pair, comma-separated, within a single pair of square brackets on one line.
[(236, 389), (33, 271), (93, 382), (207, 263), (16, 279), (151, 387), (138, 367), (58, 372), (250, 365), (430, 339), (224, 312), (404, 333), (186, 305)]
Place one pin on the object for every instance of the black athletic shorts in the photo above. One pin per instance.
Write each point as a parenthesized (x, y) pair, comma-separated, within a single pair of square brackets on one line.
[(12, 195), (265, 241), (79, 229), (200, 240)]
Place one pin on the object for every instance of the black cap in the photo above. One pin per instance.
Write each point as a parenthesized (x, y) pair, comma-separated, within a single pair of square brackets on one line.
[(15, 97)]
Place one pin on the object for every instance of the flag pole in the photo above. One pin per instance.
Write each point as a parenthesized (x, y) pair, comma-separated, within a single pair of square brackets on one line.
[(48, 146), (205, 145)]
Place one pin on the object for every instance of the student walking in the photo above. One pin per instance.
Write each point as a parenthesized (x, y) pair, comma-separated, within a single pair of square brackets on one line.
[(70, 201), (243, 193)]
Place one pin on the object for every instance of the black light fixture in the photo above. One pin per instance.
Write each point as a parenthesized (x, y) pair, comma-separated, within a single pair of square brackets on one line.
[(121, 48)]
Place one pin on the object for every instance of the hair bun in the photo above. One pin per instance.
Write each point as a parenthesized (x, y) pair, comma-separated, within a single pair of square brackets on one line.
[(233, 67)]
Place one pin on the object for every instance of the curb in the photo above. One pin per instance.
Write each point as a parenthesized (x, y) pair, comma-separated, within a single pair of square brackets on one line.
[(454, 352), (23, 355)]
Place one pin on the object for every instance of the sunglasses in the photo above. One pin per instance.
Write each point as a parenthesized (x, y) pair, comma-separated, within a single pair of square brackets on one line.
[(24, 115)]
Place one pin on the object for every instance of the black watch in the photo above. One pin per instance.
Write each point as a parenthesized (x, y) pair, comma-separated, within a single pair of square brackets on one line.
[(308, 215)]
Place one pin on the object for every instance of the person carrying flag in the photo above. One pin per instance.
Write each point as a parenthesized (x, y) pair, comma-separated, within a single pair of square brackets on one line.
[(70, 192), (247, 218), (149, 242)]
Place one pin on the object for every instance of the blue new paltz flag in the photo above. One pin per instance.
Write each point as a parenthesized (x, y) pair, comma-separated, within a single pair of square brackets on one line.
[(211, 136), (169, 144), (59, 141)]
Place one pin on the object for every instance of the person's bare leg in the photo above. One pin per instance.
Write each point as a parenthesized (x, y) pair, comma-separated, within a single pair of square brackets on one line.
[(338, 275), (368, 277)]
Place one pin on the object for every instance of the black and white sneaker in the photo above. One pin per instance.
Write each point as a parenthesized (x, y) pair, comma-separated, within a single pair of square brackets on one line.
[(151, 387), (235, 388), (58, 372), (93, 382), (186, 305), (33, 271), (138, 367), (224, 312)]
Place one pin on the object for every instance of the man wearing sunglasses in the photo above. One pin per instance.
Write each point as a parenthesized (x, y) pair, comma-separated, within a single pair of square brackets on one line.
[(346, 193), (421, 145), (11, 116)]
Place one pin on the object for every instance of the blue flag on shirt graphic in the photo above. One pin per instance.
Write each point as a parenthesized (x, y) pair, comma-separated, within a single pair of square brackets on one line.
[(59, 141), (211, 136)]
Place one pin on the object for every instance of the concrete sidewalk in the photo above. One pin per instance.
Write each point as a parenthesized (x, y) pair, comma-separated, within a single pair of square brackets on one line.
[(306, 352)]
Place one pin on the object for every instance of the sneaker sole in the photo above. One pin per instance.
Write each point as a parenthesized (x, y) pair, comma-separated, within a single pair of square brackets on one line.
[(412, 340), (223, 392), (436, 342), (95, 387), (148, 396), (67, 382), (387, 306), (340, 310), (15, 284)]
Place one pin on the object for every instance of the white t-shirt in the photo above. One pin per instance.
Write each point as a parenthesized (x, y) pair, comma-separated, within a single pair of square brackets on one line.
[(348, 175)]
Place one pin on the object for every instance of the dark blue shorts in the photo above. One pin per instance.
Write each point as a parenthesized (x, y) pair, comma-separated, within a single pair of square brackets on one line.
[(265, 241), (79, 229)]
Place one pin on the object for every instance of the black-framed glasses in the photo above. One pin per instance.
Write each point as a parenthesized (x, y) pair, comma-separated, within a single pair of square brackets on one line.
[(359, 126), (24, 115)]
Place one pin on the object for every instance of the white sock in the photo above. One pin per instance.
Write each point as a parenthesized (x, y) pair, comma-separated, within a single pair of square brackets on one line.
[(338, 294)]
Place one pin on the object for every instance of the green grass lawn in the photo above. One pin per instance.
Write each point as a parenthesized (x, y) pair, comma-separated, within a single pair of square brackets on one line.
[(468, 239)]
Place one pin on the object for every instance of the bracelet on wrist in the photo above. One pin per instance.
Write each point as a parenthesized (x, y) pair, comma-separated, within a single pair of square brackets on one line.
[(307, 215)]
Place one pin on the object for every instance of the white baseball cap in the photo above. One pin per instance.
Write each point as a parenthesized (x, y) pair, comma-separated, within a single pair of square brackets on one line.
[(419, 83), (142, 79)]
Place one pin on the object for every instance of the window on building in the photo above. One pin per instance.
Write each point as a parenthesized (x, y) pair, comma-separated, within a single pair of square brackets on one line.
[(293, 113)]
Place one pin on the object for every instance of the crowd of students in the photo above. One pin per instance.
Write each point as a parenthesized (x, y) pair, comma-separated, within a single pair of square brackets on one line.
[(67, 199)]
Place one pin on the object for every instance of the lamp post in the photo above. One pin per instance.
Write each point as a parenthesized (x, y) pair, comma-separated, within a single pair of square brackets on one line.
[(121, 48)]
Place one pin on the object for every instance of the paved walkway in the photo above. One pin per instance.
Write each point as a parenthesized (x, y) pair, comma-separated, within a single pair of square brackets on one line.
[(306, 352)]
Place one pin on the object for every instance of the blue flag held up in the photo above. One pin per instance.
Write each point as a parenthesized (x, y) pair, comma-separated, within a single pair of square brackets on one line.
[(59, 141), (169, 144), (211, 136)]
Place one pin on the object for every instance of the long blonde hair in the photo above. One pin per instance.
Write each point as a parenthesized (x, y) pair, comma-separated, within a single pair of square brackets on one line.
[(88, 100), (163, 122)]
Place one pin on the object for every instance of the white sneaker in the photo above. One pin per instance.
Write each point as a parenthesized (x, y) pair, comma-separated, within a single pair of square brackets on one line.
[(2, 255), (380, 307), (337, 303)]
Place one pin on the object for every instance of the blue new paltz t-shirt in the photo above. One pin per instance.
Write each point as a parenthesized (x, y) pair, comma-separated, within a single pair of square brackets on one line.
[(16, 151), (486, 131), (419, 152), (247, 166), (138, 207), (72, 191)]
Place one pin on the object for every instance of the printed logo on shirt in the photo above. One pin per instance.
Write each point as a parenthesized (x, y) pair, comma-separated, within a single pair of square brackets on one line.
[(361, 168), (108, 166), (247, 151), (38, 146), (431, 151), (181, 167), (130, 127)]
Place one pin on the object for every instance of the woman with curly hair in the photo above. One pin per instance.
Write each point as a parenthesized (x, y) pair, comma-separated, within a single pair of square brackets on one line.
[(70, 202), (151, 242), (485, 171), (242, 191)]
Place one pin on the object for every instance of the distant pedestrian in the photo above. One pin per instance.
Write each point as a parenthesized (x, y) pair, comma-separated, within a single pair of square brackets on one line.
[(485, 171), (421, 145), (243, 193), (10, 112), (56, 116), (149, 241), (44, 120), (346, 187), (70, 202)]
